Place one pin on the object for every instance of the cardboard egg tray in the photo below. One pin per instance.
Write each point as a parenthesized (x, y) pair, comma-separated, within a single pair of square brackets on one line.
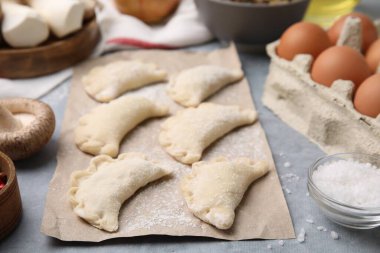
[(325, 115)]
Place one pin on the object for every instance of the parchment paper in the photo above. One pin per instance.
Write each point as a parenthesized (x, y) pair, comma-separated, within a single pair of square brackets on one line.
[(159, 207)]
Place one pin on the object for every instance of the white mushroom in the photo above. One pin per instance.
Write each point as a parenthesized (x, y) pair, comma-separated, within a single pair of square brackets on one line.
[(22, 26), (26, 125), (63, 16)]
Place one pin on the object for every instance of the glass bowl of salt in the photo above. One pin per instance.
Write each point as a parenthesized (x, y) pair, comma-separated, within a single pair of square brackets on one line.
[(346, 187)]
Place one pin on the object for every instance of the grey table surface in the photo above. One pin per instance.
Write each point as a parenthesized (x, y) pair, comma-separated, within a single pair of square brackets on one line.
[(288, 147)]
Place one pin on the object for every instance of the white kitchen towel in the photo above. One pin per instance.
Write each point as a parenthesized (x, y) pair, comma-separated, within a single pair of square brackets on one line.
[(33, 87), (183, 29), (119, 32)]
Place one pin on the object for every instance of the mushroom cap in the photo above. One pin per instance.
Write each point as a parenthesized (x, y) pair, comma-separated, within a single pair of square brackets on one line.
[(29, 139)]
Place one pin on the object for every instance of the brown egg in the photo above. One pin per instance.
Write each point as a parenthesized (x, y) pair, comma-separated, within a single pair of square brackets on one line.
[(367, 97), (369, 34), (340, 62), (303, 38), (373, 55)]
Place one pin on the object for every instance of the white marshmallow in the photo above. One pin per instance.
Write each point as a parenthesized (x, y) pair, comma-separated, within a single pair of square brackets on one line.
[(63, 17), (22, 26)]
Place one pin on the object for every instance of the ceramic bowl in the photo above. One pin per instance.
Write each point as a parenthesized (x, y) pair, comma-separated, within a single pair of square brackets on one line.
[(247, 23)]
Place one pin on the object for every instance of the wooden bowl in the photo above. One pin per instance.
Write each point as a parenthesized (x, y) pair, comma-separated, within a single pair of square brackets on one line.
[(50, 57), (10, 200)]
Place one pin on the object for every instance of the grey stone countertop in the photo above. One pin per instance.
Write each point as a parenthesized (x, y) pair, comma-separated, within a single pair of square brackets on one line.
[(292, 152)]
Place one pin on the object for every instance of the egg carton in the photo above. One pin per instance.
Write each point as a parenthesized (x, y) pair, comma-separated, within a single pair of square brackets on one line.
[(325, 115)]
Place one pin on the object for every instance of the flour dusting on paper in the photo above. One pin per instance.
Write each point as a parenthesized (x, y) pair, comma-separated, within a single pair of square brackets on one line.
[(159, 208)]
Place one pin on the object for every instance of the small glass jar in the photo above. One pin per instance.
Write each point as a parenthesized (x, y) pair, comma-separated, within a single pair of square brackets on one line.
[(340, 213)]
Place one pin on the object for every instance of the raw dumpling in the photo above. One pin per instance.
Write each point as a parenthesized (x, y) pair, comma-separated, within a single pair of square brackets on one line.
[(186, 134), (97, 193), (194, 85), (112, 80), (102, 129), (214, 189)]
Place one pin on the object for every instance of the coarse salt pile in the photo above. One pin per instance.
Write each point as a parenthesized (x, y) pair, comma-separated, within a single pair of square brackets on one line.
[(349, 182)]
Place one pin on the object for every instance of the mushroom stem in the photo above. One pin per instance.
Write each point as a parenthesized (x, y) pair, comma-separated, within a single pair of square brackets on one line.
[(8, 122)]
